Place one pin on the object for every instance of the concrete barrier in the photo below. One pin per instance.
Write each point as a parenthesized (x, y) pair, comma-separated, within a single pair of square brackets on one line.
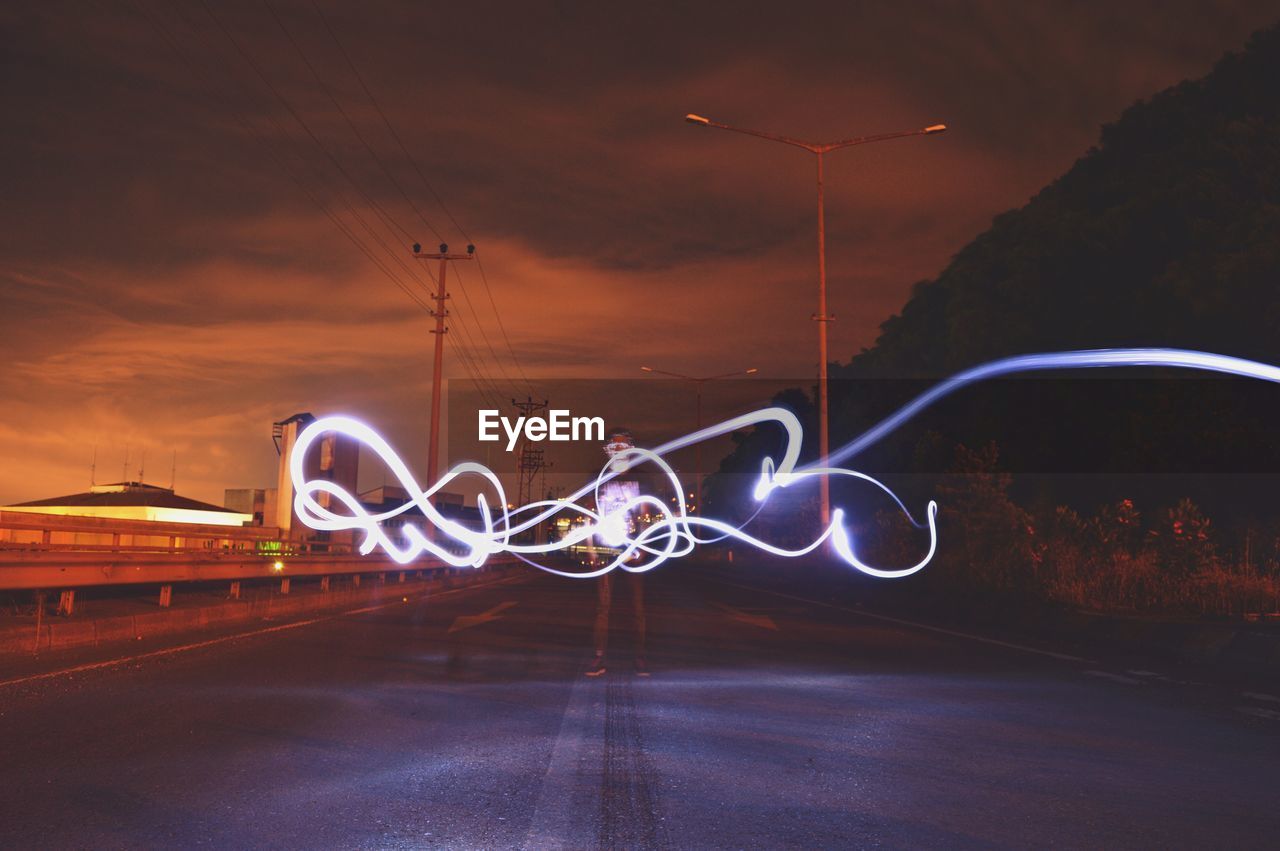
[(26, 641), (119, 628), (224, 613), (71, 634), (164, 622)]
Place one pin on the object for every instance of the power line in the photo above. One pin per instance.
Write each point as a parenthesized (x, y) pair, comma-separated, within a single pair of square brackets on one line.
[(492, 352), (462, 326), (489, 394), (172, 42), (478, 360), (472, 364), (315, 75), (394, 135), (501, 325), (413, 163), (373, 204)]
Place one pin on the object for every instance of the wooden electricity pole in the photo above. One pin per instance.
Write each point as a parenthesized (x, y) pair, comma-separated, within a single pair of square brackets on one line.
[(437, 373)]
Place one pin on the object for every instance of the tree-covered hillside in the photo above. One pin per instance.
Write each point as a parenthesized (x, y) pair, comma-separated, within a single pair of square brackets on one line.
[(1167, 233)]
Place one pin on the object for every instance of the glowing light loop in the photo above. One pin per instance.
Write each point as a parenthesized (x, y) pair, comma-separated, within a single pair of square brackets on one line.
[(674, 533)]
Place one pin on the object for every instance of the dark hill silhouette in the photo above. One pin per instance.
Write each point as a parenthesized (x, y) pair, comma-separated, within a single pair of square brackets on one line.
[(1163, 234), (1167, 233)]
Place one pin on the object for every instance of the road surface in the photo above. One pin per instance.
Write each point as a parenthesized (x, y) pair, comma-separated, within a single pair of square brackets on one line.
[(464, 721)]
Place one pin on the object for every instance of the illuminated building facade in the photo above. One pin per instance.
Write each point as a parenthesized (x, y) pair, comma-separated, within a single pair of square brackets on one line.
[(135, 501)]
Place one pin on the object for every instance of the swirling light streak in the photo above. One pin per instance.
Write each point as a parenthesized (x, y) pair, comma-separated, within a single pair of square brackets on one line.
[(1049, 361), (675, 533)]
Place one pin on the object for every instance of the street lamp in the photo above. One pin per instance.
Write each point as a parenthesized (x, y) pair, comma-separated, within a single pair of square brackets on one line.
[(697, 447), (821, 317)]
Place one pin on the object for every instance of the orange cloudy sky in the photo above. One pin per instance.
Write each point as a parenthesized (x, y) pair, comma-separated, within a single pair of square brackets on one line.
[(171, 279)]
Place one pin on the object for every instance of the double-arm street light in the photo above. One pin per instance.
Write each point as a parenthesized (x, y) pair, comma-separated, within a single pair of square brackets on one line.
[(821, 317), (697, 447)]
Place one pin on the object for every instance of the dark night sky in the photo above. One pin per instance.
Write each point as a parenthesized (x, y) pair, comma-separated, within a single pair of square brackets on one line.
[(165, 284)]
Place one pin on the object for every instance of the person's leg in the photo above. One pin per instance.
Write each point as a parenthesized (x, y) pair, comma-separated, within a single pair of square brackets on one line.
[(604, 598), (636, 582)]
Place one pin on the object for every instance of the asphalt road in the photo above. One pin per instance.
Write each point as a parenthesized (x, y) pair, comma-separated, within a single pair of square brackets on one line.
[(465, 721)]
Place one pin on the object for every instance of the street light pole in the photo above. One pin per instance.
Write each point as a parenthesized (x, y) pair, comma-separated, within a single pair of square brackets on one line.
[(697, 447), (821, 317)]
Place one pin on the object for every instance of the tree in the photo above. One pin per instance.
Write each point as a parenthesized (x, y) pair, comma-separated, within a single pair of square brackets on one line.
[(987, 540)]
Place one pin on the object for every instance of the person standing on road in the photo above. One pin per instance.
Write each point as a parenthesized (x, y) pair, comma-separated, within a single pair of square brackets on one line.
[(612, 504)]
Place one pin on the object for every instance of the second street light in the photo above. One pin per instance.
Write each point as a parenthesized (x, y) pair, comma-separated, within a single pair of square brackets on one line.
[(821, 317), (697, 447)]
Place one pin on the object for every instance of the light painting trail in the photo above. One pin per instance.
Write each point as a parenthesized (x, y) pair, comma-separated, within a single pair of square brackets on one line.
[(675, 532)]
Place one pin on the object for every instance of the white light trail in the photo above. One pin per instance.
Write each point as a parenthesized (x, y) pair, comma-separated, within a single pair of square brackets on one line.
[(675, 532)]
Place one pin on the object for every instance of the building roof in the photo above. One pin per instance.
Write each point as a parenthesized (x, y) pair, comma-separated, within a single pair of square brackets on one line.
[(126, 494)]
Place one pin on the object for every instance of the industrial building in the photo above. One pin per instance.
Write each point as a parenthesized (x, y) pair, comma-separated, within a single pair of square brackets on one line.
[(260, 503), (338, 461), (334, 458), (135, 501)]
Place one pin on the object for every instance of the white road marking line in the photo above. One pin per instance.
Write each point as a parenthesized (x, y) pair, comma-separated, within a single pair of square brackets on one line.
[(571, 784), (110, 663), (1063, 657), (1257, 695), (1115, 678)]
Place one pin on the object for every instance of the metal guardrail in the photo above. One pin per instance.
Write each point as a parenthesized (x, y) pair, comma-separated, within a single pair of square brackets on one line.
[(48, 551), (30, 530), (77, 570)]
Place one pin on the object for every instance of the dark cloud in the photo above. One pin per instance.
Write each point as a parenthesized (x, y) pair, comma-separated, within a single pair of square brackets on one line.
[(171, 277)]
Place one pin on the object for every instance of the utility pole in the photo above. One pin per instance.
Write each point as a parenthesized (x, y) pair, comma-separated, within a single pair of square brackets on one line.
[(437, 373), (543, 531), (531, 460)]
